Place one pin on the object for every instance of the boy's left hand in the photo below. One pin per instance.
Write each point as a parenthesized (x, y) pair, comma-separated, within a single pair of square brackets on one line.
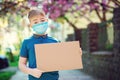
[(36, 73)]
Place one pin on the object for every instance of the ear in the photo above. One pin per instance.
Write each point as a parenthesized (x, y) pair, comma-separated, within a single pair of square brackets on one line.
[(46, 19), (29, 25)]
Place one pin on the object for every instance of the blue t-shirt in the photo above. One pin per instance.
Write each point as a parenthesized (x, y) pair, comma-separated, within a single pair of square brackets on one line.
[(28, 51)]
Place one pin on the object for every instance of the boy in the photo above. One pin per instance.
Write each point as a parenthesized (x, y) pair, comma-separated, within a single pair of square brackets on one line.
[(39, 24)]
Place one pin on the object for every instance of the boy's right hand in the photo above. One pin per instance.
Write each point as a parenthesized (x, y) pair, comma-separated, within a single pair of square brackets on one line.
[(35, 72)]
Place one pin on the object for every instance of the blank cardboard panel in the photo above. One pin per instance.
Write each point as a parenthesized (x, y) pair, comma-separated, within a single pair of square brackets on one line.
[(58, 56)]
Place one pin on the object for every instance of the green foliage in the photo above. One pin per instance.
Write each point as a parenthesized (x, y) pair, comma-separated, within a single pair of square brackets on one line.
[(6, 75), (103, 24), (109, 47), (15, 62), (60, 19)]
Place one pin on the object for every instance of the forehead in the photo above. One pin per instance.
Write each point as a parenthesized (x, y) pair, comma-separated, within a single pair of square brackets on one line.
[(37, 17)]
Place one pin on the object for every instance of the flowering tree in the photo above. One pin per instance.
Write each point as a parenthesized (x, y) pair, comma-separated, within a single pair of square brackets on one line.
[(18, 7), (59, 8), (11, 13)]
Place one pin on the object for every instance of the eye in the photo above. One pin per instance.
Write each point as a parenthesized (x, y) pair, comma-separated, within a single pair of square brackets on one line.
[(42, 20), (35, 22)]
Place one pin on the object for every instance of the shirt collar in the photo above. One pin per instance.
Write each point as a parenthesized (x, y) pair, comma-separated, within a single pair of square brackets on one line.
[(38, 36)]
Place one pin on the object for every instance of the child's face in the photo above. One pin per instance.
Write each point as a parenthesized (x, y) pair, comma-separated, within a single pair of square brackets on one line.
[(37, 19)]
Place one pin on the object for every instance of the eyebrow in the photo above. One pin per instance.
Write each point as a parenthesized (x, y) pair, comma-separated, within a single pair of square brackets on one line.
[(42, 18), (34, 19)]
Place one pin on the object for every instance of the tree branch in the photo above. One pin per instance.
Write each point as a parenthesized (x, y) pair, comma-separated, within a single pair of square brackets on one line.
[(116, 2), (74, 27), (104, 13), (98, 14), (85, 17), (108, 6)]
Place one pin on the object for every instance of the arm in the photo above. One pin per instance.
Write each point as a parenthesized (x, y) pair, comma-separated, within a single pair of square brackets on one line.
[(22, 66)]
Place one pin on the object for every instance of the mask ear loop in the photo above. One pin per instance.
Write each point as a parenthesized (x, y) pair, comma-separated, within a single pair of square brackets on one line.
[(47, 15)]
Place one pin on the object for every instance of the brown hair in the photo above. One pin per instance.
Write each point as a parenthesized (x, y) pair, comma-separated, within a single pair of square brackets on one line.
[(33, 13)]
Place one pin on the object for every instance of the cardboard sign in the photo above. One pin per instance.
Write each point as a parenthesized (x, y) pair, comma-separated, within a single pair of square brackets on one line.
[(58, 56)]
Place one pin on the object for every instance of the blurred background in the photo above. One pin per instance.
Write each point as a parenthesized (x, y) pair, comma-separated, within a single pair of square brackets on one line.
[(94, 23)]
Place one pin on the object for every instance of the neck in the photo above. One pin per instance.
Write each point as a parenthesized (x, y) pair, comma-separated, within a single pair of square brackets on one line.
[(39, 34)]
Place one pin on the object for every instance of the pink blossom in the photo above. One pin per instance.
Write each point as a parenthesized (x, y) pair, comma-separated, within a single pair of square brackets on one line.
[(104, 1), (46, 7), (62, 1), (57, 12), (56, 8), (33, 3), (52, 16), (66, 7)]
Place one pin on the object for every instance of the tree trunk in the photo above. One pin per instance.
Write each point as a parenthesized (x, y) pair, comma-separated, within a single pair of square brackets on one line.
[(76, 30), (116, 46)]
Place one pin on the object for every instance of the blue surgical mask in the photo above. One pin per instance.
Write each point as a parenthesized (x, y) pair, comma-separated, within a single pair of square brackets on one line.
[(40, 28)]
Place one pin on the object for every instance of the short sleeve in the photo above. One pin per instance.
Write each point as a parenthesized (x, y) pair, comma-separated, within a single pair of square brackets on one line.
[(59, 41), (24, 50), (56, 40)]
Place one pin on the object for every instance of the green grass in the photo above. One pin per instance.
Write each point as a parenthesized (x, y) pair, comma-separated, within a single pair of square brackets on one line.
[(6, 75)]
